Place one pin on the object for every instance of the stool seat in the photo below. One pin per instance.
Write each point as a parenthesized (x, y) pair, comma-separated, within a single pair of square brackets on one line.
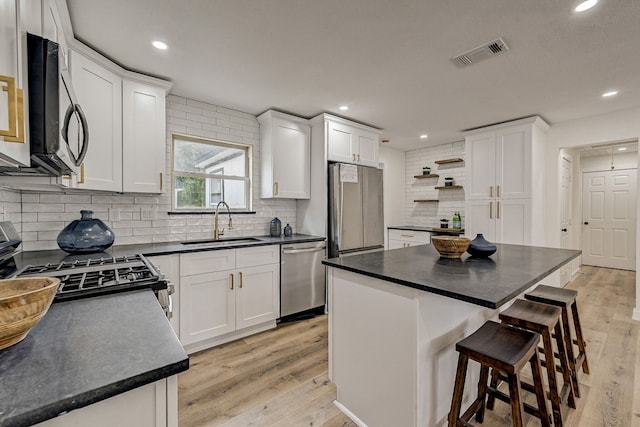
[(550, 295), (523, 311), (505, 349), (508, 347)]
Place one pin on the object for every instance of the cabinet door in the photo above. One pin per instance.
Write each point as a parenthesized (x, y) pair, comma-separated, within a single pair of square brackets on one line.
[(258, 295), (143, 138), (12, 153), (396, 244), (340, 142), (481, 172), (257, 255), (99, 93), (291, 160), (207, 306), (481, 219), (513, 163), (513, 221), (169, 266), (367, 148)]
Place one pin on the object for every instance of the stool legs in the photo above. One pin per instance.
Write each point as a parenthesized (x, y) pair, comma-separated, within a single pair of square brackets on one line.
[(458, 389), (579, 337), (570, 355), (537, 382)]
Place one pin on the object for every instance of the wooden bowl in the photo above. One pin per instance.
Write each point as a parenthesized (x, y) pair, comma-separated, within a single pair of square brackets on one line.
[(450, 246), (23, 302)]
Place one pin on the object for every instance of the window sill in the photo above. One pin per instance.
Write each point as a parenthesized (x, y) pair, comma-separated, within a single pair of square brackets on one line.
[(210, 212)]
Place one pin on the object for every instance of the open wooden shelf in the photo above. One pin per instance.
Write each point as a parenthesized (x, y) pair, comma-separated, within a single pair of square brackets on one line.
[(445, 161), (431, 175), (449, 187), (425, 200)]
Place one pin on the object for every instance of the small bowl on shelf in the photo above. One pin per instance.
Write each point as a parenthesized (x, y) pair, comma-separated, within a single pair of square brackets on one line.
[(450, 246), (23, 303)]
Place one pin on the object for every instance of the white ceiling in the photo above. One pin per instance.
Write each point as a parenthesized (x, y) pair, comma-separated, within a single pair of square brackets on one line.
[(388, 60)]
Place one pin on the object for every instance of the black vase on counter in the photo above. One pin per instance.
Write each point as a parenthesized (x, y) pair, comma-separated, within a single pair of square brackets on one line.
[(481, 247), (85, 235)]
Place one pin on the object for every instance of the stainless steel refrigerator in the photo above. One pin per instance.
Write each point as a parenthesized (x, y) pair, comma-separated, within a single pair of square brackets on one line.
[(356, 215)]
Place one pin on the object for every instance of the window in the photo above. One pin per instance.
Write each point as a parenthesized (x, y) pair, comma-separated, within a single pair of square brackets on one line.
[(207, 171)]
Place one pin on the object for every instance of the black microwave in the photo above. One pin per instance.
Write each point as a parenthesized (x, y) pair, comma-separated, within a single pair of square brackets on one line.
[(53, 151)]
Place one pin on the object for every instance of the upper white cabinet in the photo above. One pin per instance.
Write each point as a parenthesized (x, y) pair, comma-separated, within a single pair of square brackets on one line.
[(99, 93), (14, 146), (284, 156), (505, 182), (143, 137), (350, 142)]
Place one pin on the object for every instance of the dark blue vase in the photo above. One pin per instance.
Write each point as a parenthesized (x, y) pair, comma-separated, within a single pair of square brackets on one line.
[(275, 228), (480, 247), (85, 235)]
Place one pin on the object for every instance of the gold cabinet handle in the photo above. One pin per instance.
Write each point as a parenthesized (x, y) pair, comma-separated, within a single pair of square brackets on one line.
[(161, 183), (498, 192), (81, 180), (240, 273), (498, 211), (275, 188), (407, 235), (231, 275), (15, 132), (358, 158), (491, 191), (490, 210), (353, 157)]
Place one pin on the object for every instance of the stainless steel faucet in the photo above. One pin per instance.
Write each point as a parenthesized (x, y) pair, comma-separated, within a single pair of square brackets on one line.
[(217, 232)]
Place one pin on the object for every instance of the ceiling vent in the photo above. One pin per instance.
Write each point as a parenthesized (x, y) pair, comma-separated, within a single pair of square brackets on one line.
[(487, 50)]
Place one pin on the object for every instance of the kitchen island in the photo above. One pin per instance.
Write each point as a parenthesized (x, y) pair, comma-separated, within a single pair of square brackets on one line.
[(395, 316)]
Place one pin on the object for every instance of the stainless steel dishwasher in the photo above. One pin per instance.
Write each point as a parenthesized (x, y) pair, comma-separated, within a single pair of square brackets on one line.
[(302, 278)]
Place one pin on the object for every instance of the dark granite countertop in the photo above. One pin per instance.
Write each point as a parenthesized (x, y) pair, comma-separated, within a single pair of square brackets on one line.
[(85, 351), (429, 229), (488, 282), (164, 248)]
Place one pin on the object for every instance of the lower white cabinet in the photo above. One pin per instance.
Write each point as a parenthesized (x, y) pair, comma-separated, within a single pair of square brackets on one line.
[(406, 238), (501, 221), (151, 405), (228, 294)]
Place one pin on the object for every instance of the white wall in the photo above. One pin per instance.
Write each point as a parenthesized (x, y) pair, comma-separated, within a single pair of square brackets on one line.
[(392, 162), (612, 127)]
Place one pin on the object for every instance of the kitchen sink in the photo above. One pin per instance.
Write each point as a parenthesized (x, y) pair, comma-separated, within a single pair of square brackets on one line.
[(221, 242)]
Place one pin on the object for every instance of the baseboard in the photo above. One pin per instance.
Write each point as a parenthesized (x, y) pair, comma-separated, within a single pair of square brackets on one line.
[(349, 414)]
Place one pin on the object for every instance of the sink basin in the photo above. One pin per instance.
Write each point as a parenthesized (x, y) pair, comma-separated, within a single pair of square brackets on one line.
[(221, 242)]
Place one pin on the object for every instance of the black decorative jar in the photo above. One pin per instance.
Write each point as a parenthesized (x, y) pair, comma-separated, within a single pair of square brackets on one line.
[(481, 247), (85, 235)]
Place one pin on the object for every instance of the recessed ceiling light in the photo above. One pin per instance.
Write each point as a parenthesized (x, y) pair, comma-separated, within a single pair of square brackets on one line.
[(586, 5), (611, 93), (622, 149), (424, 136), (159, 45), (344, 108)]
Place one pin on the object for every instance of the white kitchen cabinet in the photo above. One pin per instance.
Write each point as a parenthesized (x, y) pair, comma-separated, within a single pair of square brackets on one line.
[(143, 137), (99, 93), (169, 266), (151, 405), (228, 294), (406, 238), (505, 182), (14, 143), (285, 156), (350, 142)]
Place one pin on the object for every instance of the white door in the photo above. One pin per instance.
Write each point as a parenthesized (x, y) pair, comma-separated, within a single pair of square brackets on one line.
[(565, 215), (367, 154), (513, 221), (513, 163), (340, 143), (481, 166), (609, 224), (291, 159), (481, 219), (257, 295)]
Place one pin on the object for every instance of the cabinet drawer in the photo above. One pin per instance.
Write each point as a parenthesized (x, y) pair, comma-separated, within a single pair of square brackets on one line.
[(207, 262), (410, 236), (257, 255)]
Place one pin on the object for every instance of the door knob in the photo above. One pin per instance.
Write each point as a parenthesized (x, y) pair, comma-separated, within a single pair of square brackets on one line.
[(564, 229), (586, 223)]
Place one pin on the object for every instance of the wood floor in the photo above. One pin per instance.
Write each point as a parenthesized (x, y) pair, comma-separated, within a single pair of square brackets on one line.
[(279, 377)]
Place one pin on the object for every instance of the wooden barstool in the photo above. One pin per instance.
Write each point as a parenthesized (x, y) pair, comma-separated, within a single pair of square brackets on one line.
[(566, 300), (545, 320), (508, 350)]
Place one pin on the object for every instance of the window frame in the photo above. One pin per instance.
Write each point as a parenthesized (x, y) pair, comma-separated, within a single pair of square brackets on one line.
[(219, 143)]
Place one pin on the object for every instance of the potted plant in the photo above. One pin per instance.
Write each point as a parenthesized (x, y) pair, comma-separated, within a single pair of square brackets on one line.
[(444, 223), (426, 170), (448, 181)]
